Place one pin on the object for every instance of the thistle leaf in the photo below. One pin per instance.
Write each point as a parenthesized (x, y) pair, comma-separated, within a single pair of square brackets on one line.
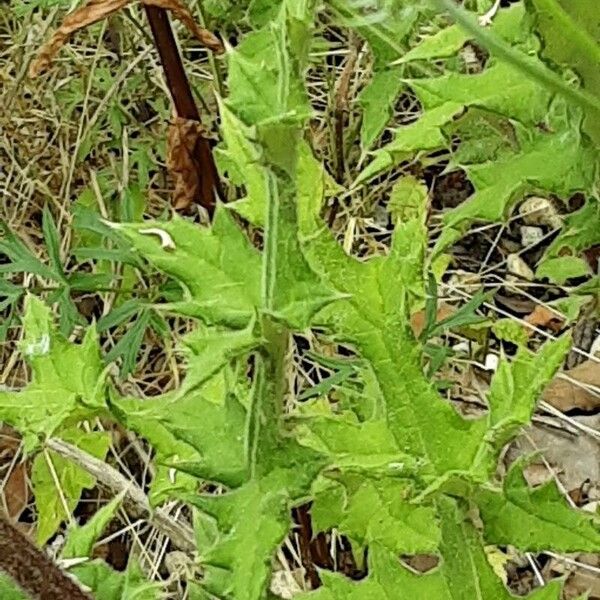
[(68, 380), (534, 519)]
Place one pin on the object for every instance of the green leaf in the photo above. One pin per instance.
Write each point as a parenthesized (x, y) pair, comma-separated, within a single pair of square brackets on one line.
[(327, 384), (377, 100), (571, 34), (425, 134), (108, 584), (120, 314), (464, 316), (203, 434), (261, 89), (377, 512), (261, 12), (515, 163), (408, 199), (352, 445), (247, 524), (580, 232), (128, 346), (562, 268), (217, 262), (511, 331), (253, 521), (81, 539), (246, 158), (484, 137), (443, 44), (58, 483), (209, 350), (9, 590), (385, 26), (146, 420), (508, 23), (51, 238), (57, 363), (68, 380), (500, 183), (382, 294), (521, 98), (531, 69), (535, 519), (10, 293), (518, 384), (293, 292), (463, 573), (22, 259), (199, 428)]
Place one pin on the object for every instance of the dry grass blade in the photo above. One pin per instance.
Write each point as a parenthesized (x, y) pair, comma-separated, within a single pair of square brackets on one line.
[(182, 152), (96, 10)]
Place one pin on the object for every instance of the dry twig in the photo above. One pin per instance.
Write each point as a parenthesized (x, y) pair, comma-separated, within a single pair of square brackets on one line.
[(135, 502)]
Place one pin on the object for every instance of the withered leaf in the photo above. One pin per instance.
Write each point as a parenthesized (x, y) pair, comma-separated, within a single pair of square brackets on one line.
[(96, 10), (14, 494), (183, 140), (181, 12), (15, 491), (565, 395), (544, 317), (417, 320)]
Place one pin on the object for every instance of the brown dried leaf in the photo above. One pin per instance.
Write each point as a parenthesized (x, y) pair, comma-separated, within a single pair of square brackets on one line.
[(417, 320), (182, 160), (583, 583), (9, 441), (565, 395), (15, 491), (96, 10), (574, 458), (182, 13), (544, 317), (88, 14)]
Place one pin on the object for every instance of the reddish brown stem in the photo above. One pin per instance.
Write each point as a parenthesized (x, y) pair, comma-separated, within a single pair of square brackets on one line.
[(32, 570), (184, 102)]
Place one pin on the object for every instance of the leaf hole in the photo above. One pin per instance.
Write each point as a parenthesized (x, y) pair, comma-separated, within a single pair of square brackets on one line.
[(448, 190), (420, 564), (325, 550)]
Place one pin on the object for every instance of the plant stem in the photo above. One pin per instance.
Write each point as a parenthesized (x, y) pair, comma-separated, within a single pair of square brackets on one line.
[(184, 102), (32, 569), (171, 61)]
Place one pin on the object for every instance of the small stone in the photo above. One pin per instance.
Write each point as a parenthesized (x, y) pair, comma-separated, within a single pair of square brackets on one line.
[(530, 236), (518, 268), (540, 211)]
